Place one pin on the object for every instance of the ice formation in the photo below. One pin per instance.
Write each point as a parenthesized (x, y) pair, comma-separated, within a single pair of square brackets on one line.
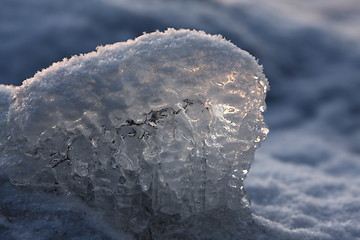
[(163, 125)]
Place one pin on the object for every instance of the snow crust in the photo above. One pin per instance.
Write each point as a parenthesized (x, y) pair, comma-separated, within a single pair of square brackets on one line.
[(163, 126)]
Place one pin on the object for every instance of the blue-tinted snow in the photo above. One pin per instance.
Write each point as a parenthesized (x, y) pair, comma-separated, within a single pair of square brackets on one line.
[(304, 183)]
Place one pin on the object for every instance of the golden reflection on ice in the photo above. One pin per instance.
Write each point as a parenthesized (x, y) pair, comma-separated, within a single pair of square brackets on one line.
[(193, 69), (230, 78)]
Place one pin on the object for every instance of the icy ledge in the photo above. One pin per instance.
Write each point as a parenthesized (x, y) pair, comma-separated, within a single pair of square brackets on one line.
[(152, 132)]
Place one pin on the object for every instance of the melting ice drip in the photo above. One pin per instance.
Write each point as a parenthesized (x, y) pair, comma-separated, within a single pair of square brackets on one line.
[(166, 124)]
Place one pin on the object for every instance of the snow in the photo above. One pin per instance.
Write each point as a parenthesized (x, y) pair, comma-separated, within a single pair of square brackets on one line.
[(304, 182)]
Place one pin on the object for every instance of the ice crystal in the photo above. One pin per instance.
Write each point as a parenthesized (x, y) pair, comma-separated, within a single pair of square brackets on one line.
[(163, 125)]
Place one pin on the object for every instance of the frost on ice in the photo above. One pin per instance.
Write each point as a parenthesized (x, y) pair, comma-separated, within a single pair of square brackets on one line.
[(163, 126)]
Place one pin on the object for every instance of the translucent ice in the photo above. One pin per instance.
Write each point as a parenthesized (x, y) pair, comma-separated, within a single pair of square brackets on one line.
[(165, 125), (6, 93)]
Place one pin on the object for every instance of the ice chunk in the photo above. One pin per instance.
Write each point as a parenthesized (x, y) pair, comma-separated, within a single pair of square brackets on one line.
[(163, 125), (6, 93)]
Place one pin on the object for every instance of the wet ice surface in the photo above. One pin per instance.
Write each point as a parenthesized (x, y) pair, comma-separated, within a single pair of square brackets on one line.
[(156, 134)]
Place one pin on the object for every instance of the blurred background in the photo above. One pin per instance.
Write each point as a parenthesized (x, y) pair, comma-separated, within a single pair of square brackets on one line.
[(306, 175)]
